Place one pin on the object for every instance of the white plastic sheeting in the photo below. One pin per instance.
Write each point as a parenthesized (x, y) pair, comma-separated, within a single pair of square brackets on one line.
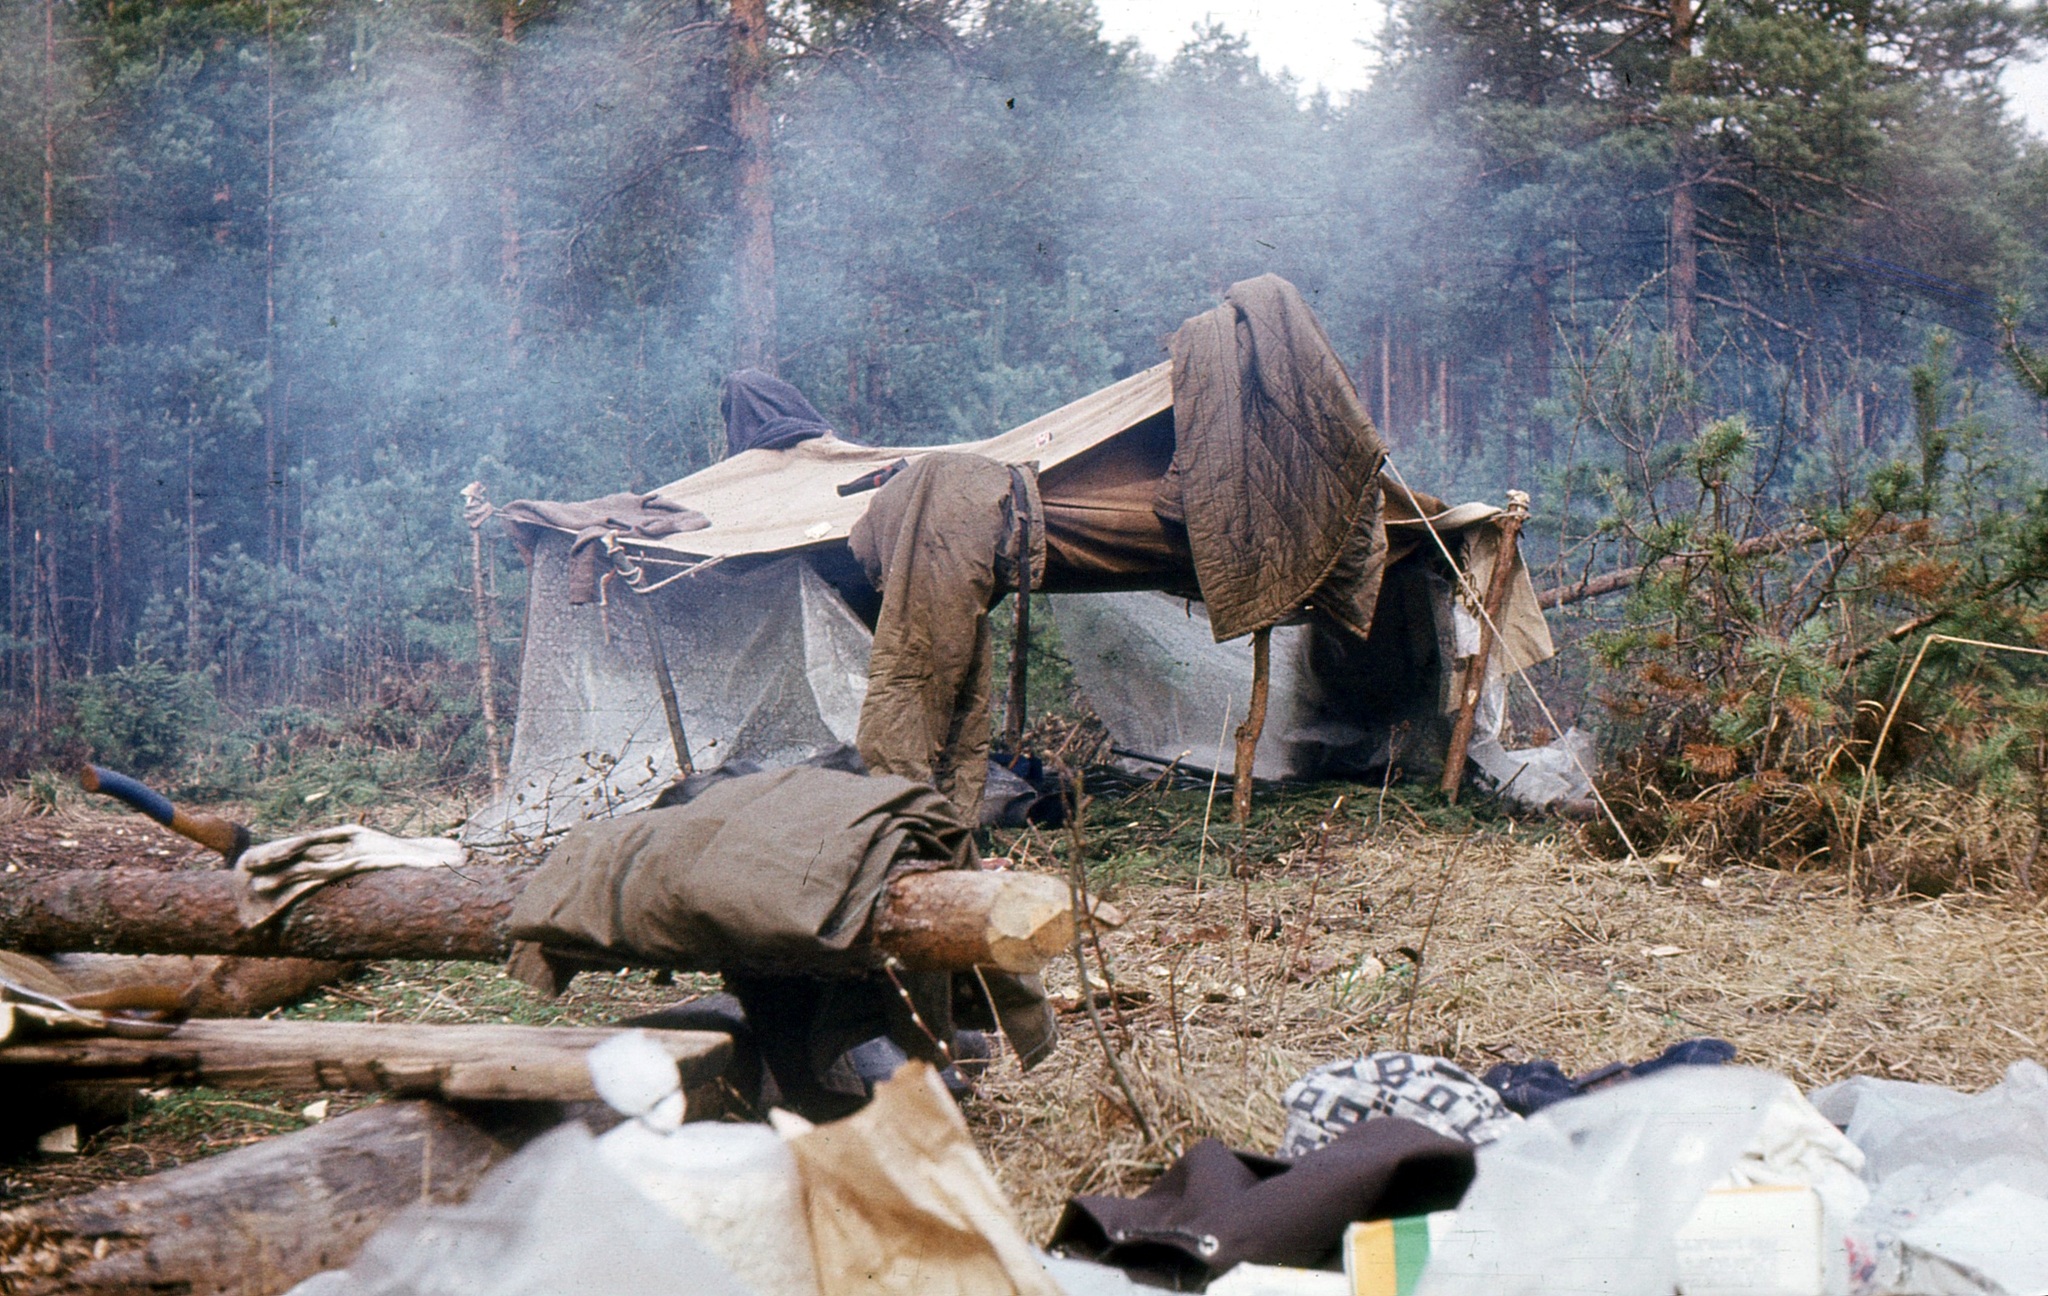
[(1161, 684), (769, 663)]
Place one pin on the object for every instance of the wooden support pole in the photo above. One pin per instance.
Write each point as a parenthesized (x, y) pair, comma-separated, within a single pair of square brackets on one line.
[(476, 511), (252, 1222), (666, 683), (466, 914), (1509, 524), (485, 1063), (1254, 725), (1020, 647)]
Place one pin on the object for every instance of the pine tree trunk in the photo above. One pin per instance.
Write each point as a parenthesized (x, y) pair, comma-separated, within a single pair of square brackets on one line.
[(1443, 400), (754, 199), (192, 662), (42, 637), (273, 484), (1685, 251), (510, 248), (14, 617), (1542, 329), (117, 511), (1386, 376)]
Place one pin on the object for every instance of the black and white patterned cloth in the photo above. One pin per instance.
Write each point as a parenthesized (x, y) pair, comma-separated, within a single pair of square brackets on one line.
[(1414, 1086)]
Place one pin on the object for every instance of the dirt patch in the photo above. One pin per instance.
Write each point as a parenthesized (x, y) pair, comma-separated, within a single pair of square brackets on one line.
[(74, 836)]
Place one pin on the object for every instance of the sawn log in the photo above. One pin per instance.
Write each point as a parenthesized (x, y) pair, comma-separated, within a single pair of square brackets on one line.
[(942, 921), (478, 1063), (252, 1222)]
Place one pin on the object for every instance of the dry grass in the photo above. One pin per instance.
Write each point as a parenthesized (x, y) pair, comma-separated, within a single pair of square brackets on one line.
[(1537, 949)]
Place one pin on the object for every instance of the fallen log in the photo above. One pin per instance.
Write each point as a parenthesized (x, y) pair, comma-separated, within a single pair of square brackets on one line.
[(210, 985), (457, 1062), (218, 986), (949, 920), (255, 1221)]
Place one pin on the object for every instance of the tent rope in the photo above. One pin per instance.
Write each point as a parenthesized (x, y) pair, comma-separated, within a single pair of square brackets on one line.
[(1465, 584)]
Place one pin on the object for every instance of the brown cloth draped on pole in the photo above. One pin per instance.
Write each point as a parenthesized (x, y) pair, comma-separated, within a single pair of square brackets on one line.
[(631, 514), (940, 542), (1276, 466)]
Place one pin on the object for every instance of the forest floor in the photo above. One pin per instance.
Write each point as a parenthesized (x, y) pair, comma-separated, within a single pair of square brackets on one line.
[(1230, 979)]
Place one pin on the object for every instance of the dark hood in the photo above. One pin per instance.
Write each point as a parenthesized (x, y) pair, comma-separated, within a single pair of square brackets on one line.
[(762, 412)]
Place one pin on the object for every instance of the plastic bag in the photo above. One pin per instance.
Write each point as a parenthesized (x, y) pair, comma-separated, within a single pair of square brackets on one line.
[(1991, 1241), (1588, 1195), (1928, 1150), (554, 1220), (734, 1187)]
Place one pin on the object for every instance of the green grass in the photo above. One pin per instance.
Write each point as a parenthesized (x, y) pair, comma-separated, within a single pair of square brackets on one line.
[(450, 992), (1155, 834)]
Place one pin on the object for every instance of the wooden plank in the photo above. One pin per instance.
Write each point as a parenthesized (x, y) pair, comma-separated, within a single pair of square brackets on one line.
[(255, 1221), (456, 1062)]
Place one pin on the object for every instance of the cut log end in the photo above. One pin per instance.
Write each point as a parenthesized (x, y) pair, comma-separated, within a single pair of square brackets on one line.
[(958, 919)]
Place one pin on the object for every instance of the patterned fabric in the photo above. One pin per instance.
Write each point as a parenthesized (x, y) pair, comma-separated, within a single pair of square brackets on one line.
[(1428, 1090)]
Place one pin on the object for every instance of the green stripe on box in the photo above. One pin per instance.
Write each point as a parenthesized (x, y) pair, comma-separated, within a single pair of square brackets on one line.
[(1411, 1252)]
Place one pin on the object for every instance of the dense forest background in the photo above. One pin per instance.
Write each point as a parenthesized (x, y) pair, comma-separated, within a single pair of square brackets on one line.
[(279, 277)]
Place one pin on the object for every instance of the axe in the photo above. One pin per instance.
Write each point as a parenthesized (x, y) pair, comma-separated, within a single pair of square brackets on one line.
[(209, 830)]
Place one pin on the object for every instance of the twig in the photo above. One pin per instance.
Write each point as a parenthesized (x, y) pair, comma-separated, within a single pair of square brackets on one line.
[(1077, 838), (1077, 892), (1322, 852), (1429, 927), (1399, 731), (1892, 713), (1215, 770)]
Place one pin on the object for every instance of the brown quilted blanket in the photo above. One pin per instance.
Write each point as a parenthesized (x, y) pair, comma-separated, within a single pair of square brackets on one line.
[(1275, 467)]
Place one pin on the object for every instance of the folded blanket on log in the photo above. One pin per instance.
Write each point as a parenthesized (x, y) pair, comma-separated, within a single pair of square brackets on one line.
[(630, 514), (761, 874), (1276, 465)]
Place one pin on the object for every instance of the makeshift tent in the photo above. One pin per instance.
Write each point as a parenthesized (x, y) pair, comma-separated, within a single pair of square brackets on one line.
[(764, 613), (1153, 672)]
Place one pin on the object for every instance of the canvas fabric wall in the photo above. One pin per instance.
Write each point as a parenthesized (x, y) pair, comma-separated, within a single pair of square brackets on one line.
[(769, 663)]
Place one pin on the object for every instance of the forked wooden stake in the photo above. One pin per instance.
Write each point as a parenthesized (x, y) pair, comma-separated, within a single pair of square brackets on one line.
[(1510, 524), (1254, 724)]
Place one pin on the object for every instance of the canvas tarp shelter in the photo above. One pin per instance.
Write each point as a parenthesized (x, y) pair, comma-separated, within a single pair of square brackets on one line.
[(1167, 691), (765, 615)]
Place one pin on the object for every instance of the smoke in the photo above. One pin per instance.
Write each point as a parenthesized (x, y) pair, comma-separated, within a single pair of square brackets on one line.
[(315, 269)]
